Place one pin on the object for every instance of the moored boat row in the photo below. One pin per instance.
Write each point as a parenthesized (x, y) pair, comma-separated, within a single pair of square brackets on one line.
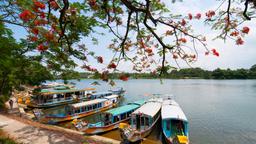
[(135, 120)]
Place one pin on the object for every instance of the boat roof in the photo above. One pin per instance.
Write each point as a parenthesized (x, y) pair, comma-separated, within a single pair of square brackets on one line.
[(54, 91), (138, 102), (149, 108), (102, 93), (172, 111), (86, 103), (122, 109), (111, 96), (156, 99)]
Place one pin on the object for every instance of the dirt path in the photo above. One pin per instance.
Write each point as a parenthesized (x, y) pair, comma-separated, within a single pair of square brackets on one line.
[(26, 131), (28, 134)]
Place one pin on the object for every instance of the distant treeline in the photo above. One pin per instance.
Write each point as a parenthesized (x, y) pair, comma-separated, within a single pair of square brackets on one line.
[(187, 73)]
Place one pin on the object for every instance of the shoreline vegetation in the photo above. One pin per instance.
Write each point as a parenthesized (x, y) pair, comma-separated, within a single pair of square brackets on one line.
[(187, 73), (5, 139)]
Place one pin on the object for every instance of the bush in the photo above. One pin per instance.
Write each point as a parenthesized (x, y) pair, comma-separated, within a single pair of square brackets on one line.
[(3, 99)]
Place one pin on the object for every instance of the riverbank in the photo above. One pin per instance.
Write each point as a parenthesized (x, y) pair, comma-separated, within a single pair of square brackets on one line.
[(26, 131)]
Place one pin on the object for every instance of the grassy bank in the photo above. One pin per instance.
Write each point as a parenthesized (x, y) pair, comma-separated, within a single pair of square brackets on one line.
[(4, 139)]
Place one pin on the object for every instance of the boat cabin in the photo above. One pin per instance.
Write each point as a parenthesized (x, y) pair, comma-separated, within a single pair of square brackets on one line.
[(92, 105), (174, 121), (119, 113), (145, 116), (57, 95)]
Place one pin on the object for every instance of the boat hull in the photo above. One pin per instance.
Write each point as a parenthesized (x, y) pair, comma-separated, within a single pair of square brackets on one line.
[(97, 130), (137, 136), (54, 120), (168, 141)]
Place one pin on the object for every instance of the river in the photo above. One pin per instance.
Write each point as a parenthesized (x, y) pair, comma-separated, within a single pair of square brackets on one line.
[(219, 111)]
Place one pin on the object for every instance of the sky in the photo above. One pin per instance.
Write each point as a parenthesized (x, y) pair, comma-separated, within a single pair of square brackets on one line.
[(231, 55)]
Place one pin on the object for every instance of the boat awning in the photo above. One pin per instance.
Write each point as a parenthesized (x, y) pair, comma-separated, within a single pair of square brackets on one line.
[(53, 91), (149, 108), (111, 97), (172, 112), (86, 103), (122, 109)]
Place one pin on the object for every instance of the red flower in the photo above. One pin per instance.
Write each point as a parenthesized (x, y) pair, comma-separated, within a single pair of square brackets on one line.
[(174, 56), (168, 32), (35, 31), (42, 48), (148, 50), (234, 33), (123, 77), (245, 30), (26, 15), (190, 16), (37, 22), (193, 56), (142, 44), (183, 22), (184, 40), (112, 65), (100, 59), (42, 15), (33, 38), (49, 36), (54, 5), (239, 41), (210, 14), (198, 16), (38, 4), (215, 52)]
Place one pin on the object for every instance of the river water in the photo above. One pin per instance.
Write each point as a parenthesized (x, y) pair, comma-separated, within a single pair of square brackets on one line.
[(219, 111)]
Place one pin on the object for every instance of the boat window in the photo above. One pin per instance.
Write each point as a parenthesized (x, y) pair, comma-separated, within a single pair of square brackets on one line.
[(83, 109), (77, 110), (76, 93), (146, 121), (137, 122), (168, 124), (89, 107), (142, 121), (123, 116), (116, 118), (99, 105), (129, 114), (94, 106)]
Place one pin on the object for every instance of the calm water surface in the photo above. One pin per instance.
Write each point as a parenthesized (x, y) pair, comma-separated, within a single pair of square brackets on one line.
[(219, 111)]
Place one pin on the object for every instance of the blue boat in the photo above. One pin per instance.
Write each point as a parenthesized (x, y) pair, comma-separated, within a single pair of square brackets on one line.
[(143, 121), (174, 123), (110, 119)]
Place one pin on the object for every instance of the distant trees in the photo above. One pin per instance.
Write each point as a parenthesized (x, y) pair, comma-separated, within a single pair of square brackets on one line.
[(194, 73)]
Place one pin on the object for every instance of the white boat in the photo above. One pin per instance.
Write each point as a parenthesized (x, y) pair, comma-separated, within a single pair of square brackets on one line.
[(174, 123), (143, 120)]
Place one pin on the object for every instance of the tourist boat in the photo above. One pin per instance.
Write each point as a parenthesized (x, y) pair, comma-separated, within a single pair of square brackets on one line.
[(59, 95), (118, 91), (82, 109), (110, 119), (174, 123), (142, 121)]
